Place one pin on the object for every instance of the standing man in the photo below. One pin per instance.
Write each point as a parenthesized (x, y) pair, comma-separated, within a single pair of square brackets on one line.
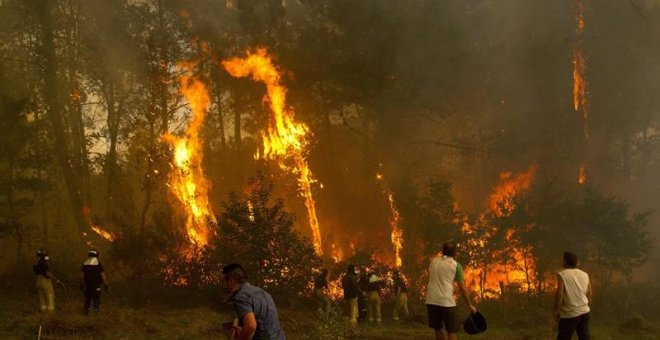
[(572, 300), (320, 287), (44, 283), (254, 307), (92, 279), (400, 296), (351, 292), (443, 273), (373, 298)]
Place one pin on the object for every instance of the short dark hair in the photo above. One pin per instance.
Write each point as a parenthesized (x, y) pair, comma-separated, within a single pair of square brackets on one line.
[(350, 269), (449, 249), (235, 271), (570, 259)]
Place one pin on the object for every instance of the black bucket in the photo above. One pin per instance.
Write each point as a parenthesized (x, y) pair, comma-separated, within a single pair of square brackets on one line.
[(475, 324)]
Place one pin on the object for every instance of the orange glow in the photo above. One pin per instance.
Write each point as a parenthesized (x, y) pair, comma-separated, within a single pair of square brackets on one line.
[(397, 234), (187, 180), (580, 84), (285, 140), (337, 253), (106, 235), (582, 176), (510, 185), (519, 270)]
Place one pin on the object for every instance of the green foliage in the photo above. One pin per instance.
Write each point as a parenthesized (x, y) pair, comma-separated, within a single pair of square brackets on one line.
[(258, 233), (334, 325)]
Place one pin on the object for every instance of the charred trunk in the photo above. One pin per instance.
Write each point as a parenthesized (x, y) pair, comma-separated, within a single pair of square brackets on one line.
[(54, 112)]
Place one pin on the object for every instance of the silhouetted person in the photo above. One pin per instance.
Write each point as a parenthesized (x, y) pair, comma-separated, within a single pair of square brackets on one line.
[(44, 283), (373, 298), (320, 291), (400, 296), (254, 307), (440, 301), (92, 279), (351, 292), (572, 300)]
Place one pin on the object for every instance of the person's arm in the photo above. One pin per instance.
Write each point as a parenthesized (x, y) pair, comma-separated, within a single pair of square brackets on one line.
[(49, 274), (249, 327), (82, 280), (590, 294), (466, 295), (460, 280), (104, 280), (559, 297)]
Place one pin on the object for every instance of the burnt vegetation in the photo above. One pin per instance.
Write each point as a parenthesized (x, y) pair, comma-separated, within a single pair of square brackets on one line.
[(517, 129)]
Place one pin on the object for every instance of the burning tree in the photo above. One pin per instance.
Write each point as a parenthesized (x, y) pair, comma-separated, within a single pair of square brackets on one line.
[(258, 233)]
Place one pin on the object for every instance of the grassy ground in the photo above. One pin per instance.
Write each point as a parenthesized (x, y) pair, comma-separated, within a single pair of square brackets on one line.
[(146, 320)]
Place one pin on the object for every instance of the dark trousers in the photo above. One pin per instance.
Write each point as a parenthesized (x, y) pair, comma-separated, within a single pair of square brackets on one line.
[(579, 324), (92, 296)]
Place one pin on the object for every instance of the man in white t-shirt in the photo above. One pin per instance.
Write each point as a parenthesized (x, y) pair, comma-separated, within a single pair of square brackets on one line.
[(440, 302), (572, 300)]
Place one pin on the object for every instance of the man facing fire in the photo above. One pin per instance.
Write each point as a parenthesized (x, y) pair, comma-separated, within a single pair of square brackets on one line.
[(351, 292), (440, 302), (572, 300), (320, 288), (254, 307)]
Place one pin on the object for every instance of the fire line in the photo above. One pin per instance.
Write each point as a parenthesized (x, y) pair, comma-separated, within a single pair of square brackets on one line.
[(187, 180), (285, 140)]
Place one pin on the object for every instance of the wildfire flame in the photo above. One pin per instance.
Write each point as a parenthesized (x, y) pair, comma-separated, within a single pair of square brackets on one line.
[(187, 180), (397, 232), (105, 234), (582, 176), (519, 270), (580, 81), (285, 139)]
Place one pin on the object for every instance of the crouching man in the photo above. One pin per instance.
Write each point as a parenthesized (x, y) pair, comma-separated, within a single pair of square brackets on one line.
[(254, 307)]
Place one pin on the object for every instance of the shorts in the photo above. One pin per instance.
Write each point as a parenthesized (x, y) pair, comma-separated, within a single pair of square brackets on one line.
[(443, 317)]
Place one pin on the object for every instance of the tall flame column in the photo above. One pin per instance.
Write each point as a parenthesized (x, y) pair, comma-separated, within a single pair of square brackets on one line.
[(285, 139)]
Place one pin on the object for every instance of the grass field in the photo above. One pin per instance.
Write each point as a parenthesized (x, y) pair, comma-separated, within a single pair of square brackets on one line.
[(120, 319)]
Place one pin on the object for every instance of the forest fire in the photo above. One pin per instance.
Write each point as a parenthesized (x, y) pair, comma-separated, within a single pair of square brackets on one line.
[(513, 266), (187, 180), (397, 233), (580, 82), (285, 139), (105, 234)]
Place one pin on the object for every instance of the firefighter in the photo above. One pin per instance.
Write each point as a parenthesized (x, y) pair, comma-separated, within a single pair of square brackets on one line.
[(320, 288), (44, 283), (92, 279), (351, 292), (401, 296), (373, 298)]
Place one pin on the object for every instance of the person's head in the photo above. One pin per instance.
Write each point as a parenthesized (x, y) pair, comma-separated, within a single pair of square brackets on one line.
[(449, 249), (350, 269), (324, 272), (233, 275), (570, 260), (93, 253), (42, 253)]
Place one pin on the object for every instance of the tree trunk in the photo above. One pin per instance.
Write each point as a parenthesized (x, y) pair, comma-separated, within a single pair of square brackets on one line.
[(113, 120), (54, 112), (221, 118), (237, 121)]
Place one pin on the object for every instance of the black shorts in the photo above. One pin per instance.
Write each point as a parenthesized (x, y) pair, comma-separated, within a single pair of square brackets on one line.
[(444, 317)]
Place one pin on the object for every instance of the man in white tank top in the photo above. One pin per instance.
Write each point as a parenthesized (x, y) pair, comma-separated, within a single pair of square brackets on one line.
[(444, 272), (572, 300)]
